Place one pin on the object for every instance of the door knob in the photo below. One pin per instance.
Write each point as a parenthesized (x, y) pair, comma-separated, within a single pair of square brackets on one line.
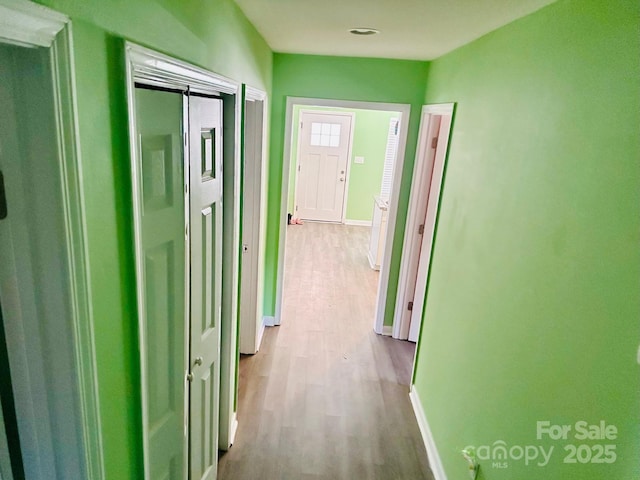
[(189, 377), (198, 361), (342, 179)]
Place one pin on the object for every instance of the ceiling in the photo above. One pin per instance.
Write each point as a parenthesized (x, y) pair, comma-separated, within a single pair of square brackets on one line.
[(409, 29)]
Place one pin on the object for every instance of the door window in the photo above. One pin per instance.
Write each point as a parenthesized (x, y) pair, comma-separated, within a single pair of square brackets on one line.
[(325, 134)]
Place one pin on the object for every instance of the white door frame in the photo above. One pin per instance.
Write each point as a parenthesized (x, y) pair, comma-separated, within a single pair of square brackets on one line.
[(411, 248), (31, 25), (253, 323), (152, 68), (345, 197), (405, 110)]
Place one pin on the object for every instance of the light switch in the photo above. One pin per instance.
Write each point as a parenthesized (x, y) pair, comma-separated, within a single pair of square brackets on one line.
[(358, 160)]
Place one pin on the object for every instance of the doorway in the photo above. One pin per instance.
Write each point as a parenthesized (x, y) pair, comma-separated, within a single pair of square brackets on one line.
[(48, 396), (184, 166), (294, 106), (433, 144)]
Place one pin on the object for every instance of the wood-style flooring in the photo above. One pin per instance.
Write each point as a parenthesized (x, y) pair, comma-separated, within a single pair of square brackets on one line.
[(325, 397)]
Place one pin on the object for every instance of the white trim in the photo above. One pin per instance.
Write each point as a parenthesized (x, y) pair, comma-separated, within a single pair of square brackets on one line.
[(360, 223), (28, 24), (386, 330), (252, 93), (149, 67), (422, 172), (73, 192), (427, 437), (231, 226), (269, 321), (154, 68), (405, 111)]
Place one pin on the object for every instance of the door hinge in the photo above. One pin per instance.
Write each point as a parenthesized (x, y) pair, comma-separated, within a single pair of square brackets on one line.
[(298, 167), (434, 142), (3, 199), (296, 208), (301, 124), (185, 138), (421, 229), (410, 306)]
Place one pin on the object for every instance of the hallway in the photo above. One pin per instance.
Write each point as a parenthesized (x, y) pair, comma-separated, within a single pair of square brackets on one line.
[(325, 397)]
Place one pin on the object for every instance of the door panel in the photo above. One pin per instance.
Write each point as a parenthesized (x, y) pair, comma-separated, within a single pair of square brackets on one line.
[(252, 217), (159, 124), (322, 166), (205, 119)]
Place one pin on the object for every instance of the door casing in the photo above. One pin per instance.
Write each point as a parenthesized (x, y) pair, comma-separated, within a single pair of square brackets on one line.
[(154, 69), (423, 209), (28, 24)]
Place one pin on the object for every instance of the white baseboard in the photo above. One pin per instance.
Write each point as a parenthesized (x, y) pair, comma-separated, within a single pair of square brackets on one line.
[(358, 223), (432, 452), (372, 263), (268, 321), (387, 330)]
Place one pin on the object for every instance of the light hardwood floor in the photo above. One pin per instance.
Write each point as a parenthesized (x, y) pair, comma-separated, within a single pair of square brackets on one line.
[(325, 397)]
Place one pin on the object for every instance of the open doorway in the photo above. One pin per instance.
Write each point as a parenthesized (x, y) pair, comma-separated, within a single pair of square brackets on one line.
[(49, 415), (392, 176)]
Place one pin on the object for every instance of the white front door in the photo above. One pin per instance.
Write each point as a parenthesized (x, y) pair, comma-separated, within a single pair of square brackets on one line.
[(205, 227), (324, 141)]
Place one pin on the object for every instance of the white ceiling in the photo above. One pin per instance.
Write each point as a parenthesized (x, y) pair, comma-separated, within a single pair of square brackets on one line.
[(410, 29)]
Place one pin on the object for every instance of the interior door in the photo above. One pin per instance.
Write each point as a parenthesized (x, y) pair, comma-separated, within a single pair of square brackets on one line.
[(205, 183), (429, 226), (322, 166), (250, 305), (159, 117)]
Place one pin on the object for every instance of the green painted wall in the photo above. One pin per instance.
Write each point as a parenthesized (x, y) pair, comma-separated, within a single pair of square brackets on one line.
[(342, 78), (213, 34), (371, 128), (532, 307)]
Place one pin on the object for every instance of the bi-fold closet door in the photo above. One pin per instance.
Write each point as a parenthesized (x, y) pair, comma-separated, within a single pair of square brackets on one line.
[(178, 180)]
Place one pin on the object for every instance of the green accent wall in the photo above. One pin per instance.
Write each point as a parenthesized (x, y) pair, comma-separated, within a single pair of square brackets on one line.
[(340, 78), (370, 132), (214, 35), (532, 305)]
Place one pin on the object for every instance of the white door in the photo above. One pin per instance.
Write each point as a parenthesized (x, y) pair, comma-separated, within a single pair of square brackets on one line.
[(435, 183), (250, 305), (205, 230), (159, 118), (324, 144)]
